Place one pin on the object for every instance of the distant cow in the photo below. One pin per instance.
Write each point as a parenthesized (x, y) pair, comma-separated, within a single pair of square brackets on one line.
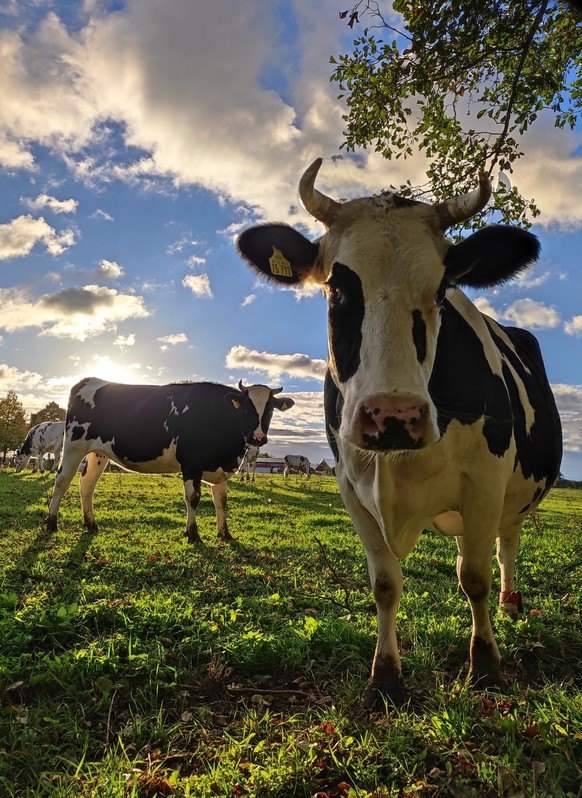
[(198, 428), (298, 463), (437, 415), (249, 464), (40, 440)]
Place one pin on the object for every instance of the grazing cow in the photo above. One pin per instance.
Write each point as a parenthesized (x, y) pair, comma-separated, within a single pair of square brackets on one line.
[(40, 440), (437, 415), (198, 428), (249, 464), (298, 463)]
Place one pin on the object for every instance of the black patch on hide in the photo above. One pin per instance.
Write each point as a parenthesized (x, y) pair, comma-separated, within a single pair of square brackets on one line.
[(345, 317)]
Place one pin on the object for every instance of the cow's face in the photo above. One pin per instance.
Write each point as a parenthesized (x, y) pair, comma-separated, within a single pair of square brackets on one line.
[(255, 405), (385, 267), (20, 461)]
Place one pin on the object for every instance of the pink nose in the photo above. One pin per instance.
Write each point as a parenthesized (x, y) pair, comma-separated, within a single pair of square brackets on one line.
[(394, 422), (259, 436)]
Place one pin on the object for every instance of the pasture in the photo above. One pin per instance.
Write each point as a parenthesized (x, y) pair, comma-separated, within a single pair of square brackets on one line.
[(136, 665)]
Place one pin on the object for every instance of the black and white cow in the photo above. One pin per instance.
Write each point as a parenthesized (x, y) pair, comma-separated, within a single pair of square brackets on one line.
[(298, 463), (40, 440), (198, 428), (249, 464), (437, 415)]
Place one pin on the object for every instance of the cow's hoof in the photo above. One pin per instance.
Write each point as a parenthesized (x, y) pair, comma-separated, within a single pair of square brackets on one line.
[(486, 681), (511, 604), (225, 536), (382, 698), (193, 537)]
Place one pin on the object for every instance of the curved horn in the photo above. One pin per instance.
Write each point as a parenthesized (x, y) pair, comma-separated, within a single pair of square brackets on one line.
[(317, 204), (275, 391), (241, 387), (457, 209)]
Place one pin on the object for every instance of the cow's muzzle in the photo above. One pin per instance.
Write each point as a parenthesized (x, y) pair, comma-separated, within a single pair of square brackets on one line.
[(257, 439), (391, 423)]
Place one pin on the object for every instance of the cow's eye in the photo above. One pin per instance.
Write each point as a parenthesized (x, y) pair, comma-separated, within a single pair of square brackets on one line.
[(334, 293)]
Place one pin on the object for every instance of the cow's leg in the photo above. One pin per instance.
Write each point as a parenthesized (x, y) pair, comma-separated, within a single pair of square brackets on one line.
[(507, 548), (40, 460), (219, 497), (387, 584), (67, 471), (58, 452), (475, 575), (192, 493), (92, 470)]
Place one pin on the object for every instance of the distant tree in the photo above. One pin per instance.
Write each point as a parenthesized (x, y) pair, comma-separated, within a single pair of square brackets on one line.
[(13, 424), (460, 81), (50, 412)]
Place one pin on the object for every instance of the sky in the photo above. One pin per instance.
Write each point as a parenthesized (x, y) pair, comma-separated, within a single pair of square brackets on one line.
[(138, 138)]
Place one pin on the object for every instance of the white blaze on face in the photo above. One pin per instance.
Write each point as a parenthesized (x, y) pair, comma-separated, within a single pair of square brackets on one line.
[(398, 262), (259, 396)]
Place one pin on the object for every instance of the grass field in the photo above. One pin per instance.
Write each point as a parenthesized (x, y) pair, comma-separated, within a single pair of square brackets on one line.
[(134, 664)]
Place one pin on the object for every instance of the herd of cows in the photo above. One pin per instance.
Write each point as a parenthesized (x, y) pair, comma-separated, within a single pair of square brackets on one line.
[(438, 417)]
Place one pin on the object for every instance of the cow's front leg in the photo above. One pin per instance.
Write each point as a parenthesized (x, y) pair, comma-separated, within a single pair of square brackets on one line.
[(385, 571), (70, 463), (475, 574), (507, 548), (92, 469), (220, 499), (192, 493), (386, 580)]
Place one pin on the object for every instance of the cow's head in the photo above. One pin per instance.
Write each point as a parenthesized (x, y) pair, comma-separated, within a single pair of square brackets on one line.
[(255, 405), (20, 460), (385, 267)]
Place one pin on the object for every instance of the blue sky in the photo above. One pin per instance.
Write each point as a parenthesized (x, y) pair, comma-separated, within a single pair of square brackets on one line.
[(137, 138)]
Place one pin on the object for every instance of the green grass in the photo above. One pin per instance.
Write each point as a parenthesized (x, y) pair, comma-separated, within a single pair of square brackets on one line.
[(135, 664)]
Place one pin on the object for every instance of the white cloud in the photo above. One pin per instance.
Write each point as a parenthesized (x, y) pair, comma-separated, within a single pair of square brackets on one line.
[(103, 215), (109, 269), (195, 260), (172, 340), (77, 313), (53, 204), (199, 284), (574, 326), (123, 341), (19, 237), (248, 300), (569, 402), (534, 315), (299, 365), (524, 313)]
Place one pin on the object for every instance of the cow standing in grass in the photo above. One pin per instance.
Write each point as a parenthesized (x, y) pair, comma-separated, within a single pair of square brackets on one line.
[(249, 464), (198, 428), (437, 415), (298, 463), (41, 439)]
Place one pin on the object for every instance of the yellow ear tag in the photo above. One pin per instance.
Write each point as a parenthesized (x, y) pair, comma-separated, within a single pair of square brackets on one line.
[(279, 264), (235, 404)]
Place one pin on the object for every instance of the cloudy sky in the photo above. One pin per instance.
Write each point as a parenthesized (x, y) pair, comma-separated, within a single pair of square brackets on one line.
[(137, 138)]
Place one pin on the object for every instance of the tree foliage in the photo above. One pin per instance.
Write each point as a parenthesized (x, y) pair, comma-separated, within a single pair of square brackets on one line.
[(461, 81), (50, 412), (13, 424)]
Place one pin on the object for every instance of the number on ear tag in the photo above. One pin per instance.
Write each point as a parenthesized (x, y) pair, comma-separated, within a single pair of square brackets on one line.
[(279, 264)]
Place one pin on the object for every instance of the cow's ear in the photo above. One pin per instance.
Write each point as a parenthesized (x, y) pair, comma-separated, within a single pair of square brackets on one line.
[(278, 252), (491, 256), (283, 402), (234, 399)]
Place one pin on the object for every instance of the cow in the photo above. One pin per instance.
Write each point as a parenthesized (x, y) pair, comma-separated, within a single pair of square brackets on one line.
[(249, 464), (40, 440), (438, 416), (198, 428), (298, 463)]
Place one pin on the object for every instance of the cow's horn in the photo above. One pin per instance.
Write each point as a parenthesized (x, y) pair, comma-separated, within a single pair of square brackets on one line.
[(241, 387), (457, 209), (275, 391), (322, 208)]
